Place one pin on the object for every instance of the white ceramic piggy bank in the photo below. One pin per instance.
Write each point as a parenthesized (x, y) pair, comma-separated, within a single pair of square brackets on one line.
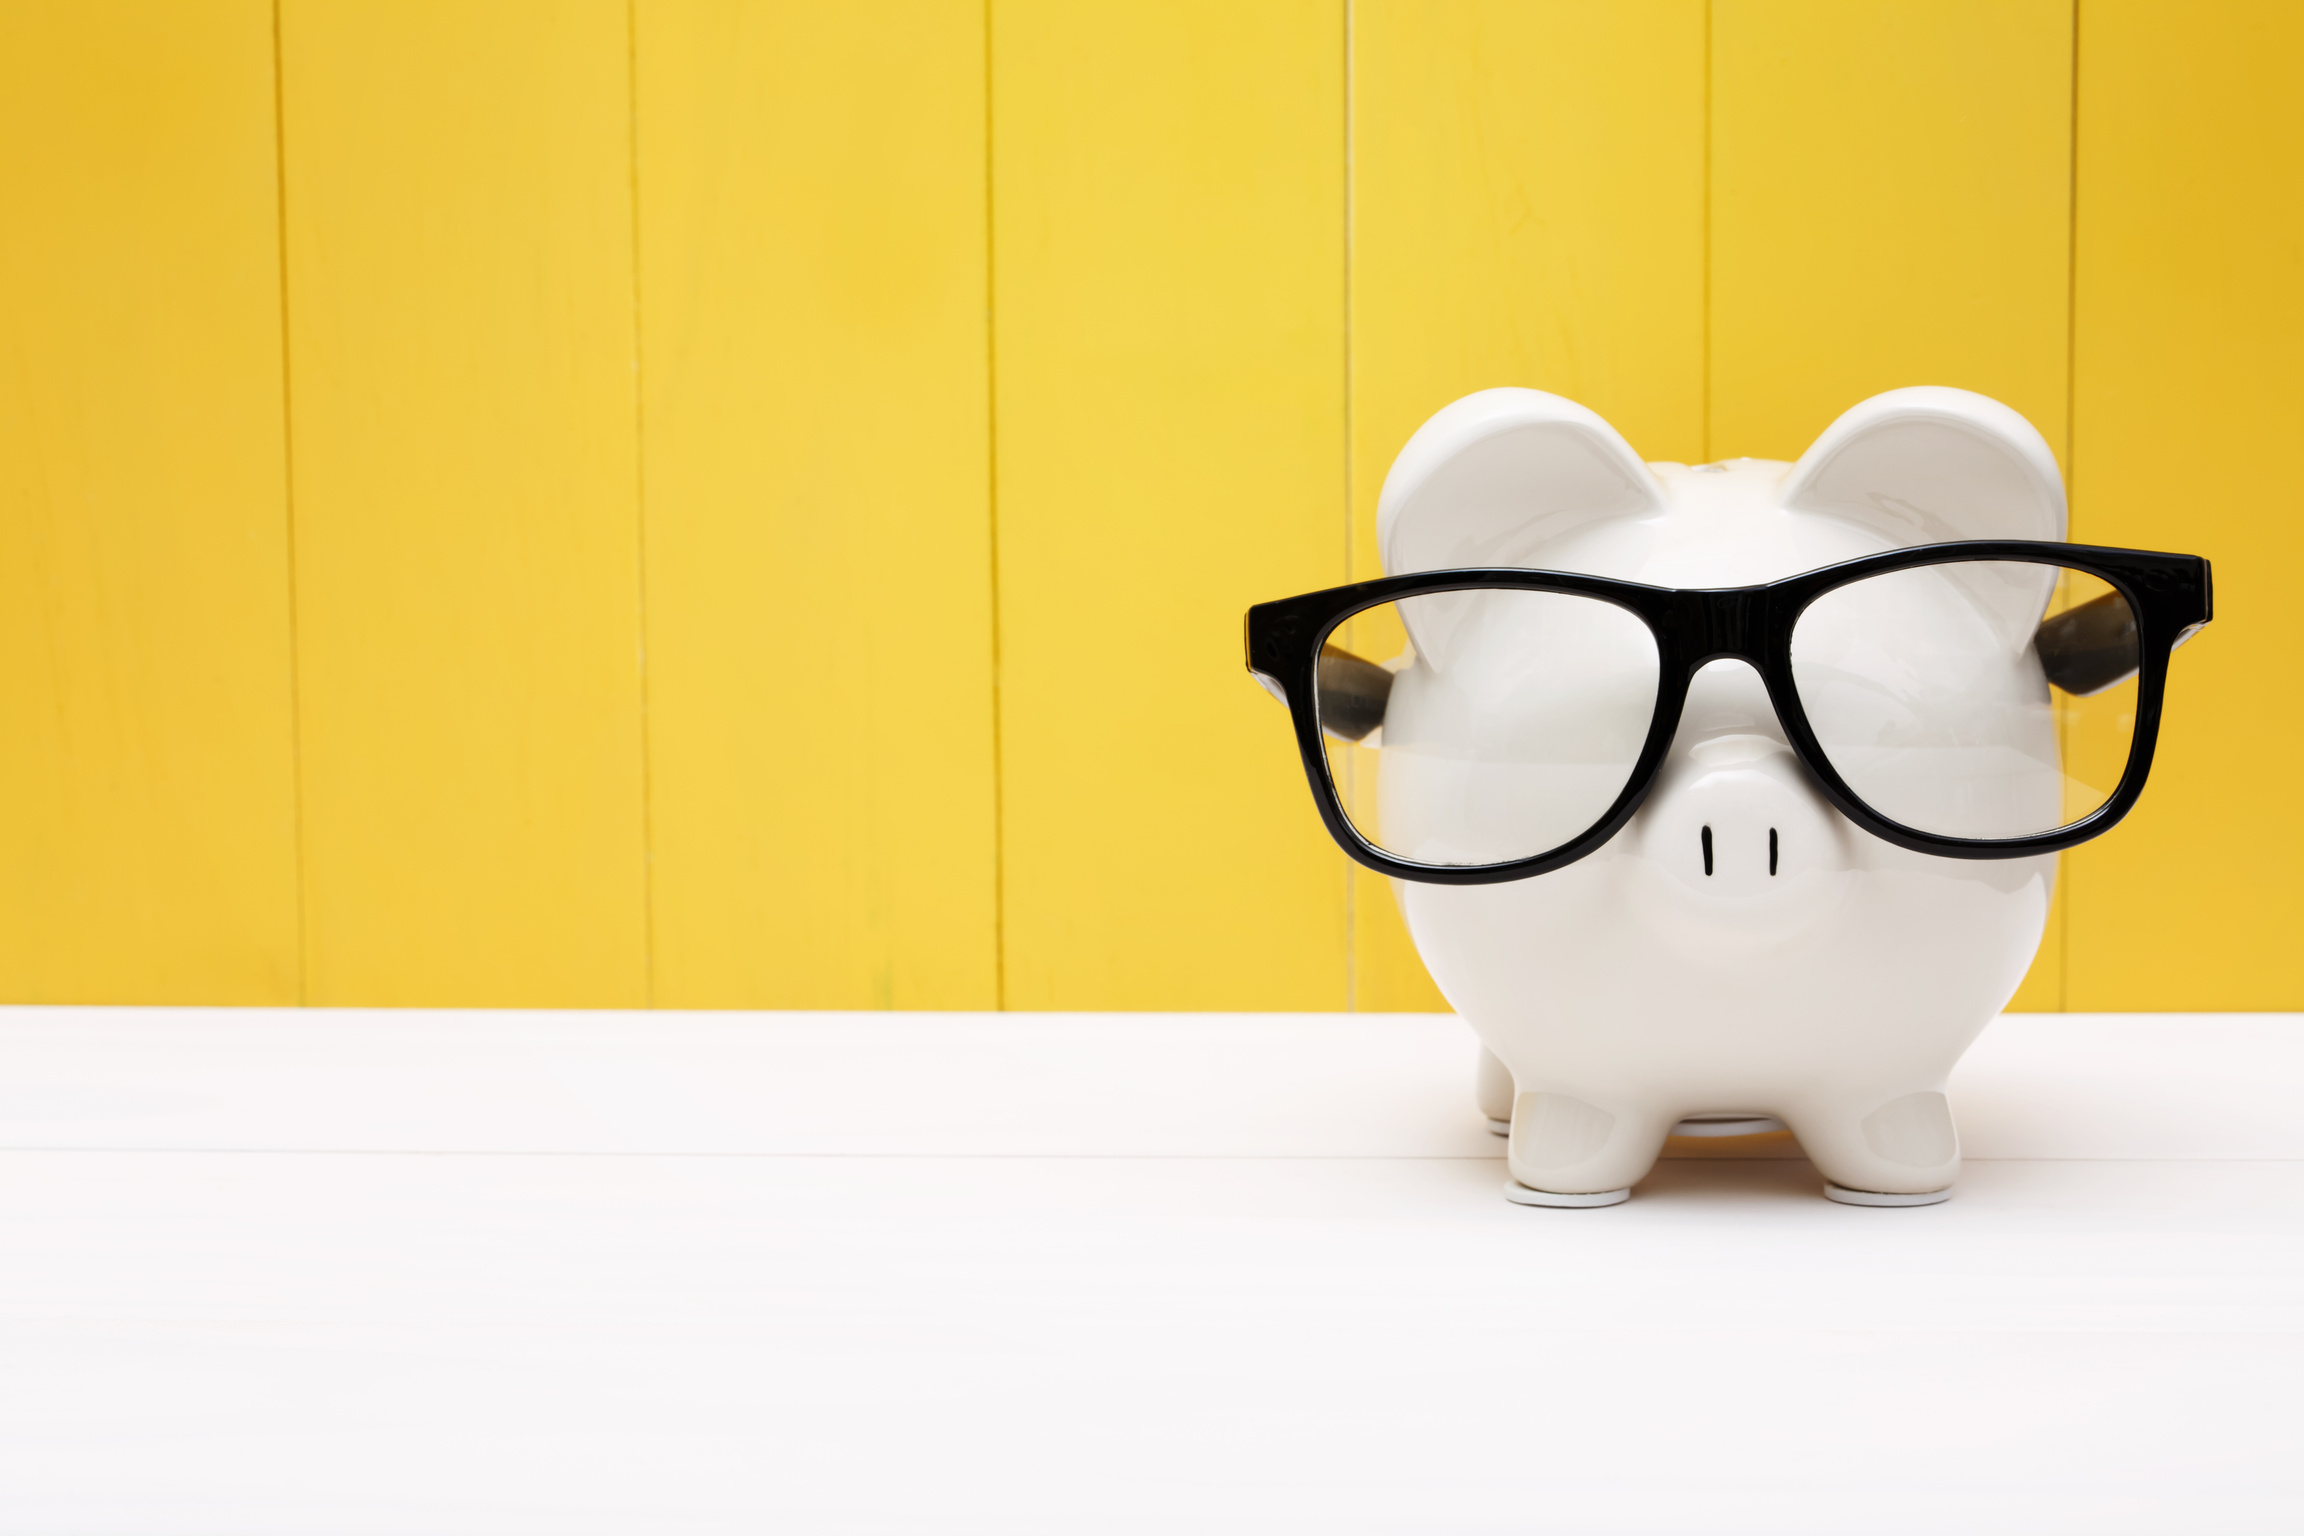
[(1739, 953)]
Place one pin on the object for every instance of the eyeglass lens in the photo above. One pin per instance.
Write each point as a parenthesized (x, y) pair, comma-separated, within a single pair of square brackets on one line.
[(1978, 699), (1484, 726)]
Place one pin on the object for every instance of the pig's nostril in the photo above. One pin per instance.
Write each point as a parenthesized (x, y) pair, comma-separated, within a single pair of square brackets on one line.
[(1771, 850), (1705, 837)]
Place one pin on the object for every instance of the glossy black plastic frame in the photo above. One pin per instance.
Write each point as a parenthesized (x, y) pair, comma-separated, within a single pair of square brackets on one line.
[(2169, 595)]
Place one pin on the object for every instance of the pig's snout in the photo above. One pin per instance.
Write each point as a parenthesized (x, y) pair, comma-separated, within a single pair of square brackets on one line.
[(1735, 821)]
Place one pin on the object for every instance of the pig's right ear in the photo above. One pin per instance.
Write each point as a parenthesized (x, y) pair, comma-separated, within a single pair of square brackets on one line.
[(1929, 464), (1493, 476)]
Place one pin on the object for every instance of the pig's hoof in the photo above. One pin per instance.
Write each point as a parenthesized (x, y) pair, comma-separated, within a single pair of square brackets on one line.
[(1521, 1194), (1498, 1127), (1874, 1197)]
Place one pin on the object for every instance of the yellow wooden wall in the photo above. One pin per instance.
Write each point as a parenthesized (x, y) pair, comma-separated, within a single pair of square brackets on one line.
[(712, 503)]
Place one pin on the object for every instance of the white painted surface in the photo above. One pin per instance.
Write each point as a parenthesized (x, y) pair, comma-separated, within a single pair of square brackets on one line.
[(339, 1272)]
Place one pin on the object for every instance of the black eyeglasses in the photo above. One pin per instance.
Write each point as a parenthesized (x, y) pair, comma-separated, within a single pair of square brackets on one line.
[(1988, 699)]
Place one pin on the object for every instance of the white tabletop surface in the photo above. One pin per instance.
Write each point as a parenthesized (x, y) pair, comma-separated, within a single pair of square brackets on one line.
[(279, 1272)]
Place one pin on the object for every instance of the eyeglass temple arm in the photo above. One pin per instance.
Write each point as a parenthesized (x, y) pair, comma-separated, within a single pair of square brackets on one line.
[(2088, 648), (1350, 694), (2091, 647)]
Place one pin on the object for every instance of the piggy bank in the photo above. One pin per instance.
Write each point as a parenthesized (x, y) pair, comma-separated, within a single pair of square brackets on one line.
[(1736, 953)]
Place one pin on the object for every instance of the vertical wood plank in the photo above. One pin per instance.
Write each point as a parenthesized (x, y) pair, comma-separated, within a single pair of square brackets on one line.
[(1891, 205), (2188, 420), (147, 792), (816, 442), (1528, 209), (1168, 187), (458, 195)]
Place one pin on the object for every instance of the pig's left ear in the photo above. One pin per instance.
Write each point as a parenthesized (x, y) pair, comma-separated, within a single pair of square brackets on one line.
[(1929, 464), (1496, 474)]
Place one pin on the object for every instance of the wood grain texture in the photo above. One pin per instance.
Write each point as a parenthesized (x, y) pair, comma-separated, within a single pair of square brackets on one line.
[(1168, 245), (2188, 420), (1890, 206), (817, 450), (752, 503), (459, 238), (1527, 209), (147, 789)]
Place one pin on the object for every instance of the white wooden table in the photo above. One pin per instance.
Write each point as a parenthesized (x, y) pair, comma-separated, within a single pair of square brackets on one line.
[(328, 1272)]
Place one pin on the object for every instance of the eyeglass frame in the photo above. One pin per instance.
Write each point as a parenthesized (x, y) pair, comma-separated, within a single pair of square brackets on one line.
[(2168, 595)]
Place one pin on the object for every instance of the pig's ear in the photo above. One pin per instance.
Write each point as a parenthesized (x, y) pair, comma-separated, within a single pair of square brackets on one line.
[(1925, 465), (1496, 474)]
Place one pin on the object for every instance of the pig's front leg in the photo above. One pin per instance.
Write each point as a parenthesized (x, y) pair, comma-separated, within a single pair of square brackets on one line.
[(1880, 1148), (1568, 1150)]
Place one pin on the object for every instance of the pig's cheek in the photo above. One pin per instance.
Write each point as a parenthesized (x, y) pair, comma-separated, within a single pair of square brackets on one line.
[(2007, 876), (1493, 949), (1973, 924)]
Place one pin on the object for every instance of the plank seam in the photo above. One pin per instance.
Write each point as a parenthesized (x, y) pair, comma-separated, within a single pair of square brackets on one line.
[(1351, 215), (2063, 934), (640, 518), (992, 551), (1704, 261), (288, 508)]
